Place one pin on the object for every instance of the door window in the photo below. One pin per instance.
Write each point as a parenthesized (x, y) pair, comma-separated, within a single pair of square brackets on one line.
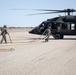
[(72, 26)]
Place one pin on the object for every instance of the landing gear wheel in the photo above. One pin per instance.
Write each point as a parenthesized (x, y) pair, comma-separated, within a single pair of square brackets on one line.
[(57, 36), (61, 36)]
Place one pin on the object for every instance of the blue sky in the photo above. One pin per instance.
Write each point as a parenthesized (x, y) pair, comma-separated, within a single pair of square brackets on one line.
[(19, 18)]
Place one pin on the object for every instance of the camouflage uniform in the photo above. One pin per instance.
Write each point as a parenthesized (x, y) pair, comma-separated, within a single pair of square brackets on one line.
[(41, 28), (48, 32), (3, 33)]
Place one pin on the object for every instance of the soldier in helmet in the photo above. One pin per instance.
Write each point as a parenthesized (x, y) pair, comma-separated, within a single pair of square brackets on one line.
[(3, 34), (47, 32), (42, 27)]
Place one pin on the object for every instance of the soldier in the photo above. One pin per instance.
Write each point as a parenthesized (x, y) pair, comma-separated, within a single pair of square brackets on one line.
[(47, 32), (41, 28), (3, 33)]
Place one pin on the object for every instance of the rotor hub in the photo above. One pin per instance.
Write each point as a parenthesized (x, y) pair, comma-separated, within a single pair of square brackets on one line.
[(69, 11)]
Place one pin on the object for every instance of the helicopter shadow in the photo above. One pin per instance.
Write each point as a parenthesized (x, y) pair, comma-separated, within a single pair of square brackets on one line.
[(69, 38), (51, 39), (32, 38), (63, 39)]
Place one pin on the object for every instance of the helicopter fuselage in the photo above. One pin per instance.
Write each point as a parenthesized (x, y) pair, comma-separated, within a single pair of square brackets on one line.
[(60, 26)]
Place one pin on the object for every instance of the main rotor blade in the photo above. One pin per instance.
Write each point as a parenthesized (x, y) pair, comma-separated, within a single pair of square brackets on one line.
[(36, 9), (45, 10), (44, 13), (68, 11), (65, 10)]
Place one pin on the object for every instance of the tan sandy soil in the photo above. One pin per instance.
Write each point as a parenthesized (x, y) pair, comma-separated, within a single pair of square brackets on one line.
[(29, 56)]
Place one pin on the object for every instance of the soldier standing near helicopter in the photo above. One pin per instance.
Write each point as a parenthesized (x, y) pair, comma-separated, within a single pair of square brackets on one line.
[(47, 33), (3, 33), (42, 28)]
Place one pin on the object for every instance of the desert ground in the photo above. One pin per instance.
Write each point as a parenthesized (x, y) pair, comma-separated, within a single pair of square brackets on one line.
[(28, 55)]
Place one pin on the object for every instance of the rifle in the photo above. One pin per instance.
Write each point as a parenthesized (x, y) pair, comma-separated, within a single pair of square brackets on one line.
[(42, 34)]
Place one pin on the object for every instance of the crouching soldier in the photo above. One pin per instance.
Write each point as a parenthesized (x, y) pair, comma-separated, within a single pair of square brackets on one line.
[(3, 34)]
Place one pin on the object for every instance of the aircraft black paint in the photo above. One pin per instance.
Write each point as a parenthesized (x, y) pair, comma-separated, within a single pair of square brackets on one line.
[(60, 26)]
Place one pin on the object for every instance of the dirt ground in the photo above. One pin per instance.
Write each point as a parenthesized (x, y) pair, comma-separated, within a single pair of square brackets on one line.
[(27, 55)]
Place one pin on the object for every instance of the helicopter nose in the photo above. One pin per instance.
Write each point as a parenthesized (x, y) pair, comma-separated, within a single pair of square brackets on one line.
[(31, 31), (34, 31)]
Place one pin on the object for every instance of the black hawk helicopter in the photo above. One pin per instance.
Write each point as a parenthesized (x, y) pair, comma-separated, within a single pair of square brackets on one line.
[(60, 26)]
